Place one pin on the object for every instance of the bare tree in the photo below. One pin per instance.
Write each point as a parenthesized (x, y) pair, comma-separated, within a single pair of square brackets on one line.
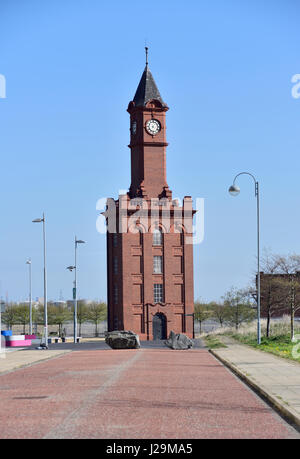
[(272, 295), (290, 266)]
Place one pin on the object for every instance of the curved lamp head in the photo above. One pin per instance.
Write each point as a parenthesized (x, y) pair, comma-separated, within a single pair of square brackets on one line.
[(234, 190)]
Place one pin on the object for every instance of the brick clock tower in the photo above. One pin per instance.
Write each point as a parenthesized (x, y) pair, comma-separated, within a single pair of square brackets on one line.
[(149, 235)]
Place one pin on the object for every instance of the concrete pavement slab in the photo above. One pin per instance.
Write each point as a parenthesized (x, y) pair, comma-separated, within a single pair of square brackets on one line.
[(275, 378), (10, 361)]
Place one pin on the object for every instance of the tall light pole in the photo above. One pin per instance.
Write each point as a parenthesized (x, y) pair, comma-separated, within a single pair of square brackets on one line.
[(234, 191), (39, 220), (71, 268), (28, 262)]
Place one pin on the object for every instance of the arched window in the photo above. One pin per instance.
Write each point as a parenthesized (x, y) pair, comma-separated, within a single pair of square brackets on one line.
[(157, 236)]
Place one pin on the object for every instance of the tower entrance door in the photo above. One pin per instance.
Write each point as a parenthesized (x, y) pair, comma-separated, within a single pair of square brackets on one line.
[(159, 326)]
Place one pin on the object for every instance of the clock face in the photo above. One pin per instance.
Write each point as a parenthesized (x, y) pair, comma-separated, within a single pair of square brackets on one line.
[(133, 127), (153, 127)]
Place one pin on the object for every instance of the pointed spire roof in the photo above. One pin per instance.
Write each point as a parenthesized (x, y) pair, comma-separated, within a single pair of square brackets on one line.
[(147, 89)]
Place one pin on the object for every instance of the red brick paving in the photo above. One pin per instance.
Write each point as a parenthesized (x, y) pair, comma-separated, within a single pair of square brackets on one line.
[(145, 393)]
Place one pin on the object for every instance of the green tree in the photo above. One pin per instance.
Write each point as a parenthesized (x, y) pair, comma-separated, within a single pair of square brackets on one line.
[(96, 313), (239, 308), (58, 315), (82, 313), (22, 315), (219, 312), (202, 312), (9, 315), (39, 314)]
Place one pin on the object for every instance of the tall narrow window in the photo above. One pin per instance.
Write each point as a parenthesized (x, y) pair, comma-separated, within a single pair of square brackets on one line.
[(182, 237), (115, 323), (158, 293), (115, 294), (141, 231), (157, 236), (157, 264), (115, 265), (115, 239)]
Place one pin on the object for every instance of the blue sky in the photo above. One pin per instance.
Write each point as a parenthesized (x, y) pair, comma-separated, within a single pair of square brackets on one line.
[(71, 67)]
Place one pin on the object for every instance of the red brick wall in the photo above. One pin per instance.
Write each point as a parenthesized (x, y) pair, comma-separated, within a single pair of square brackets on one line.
[(134, 308)]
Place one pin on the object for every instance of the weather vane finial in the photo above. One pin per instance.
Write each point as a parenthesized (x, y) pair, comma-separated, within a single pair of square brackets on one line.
[(146, 49)]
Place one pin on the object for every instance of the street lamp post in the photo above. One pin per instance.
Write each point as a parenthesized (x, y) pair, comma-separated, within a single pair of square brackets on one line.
[(71, 268), (234, 191), (39, 220), (28, 262)]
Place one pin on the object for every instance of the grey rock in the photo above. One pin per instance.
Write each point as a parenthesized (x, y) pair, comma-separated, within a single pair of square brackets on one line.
[(178, 341), (122, 340)]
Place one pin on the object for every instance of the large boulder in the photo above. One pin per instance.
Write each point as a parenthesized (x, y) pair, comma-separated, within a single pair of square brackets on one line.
[(122, 340), (178, 341)]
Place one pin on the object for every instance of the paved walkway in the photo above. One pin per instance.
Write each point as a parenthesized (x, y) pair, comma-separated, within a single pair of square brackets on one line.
[(274, 377), (133, 394)]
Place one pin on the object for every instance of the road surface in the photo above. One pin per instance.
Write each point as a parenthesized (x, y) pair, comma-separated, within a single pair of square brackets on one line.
[(147, 393)]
